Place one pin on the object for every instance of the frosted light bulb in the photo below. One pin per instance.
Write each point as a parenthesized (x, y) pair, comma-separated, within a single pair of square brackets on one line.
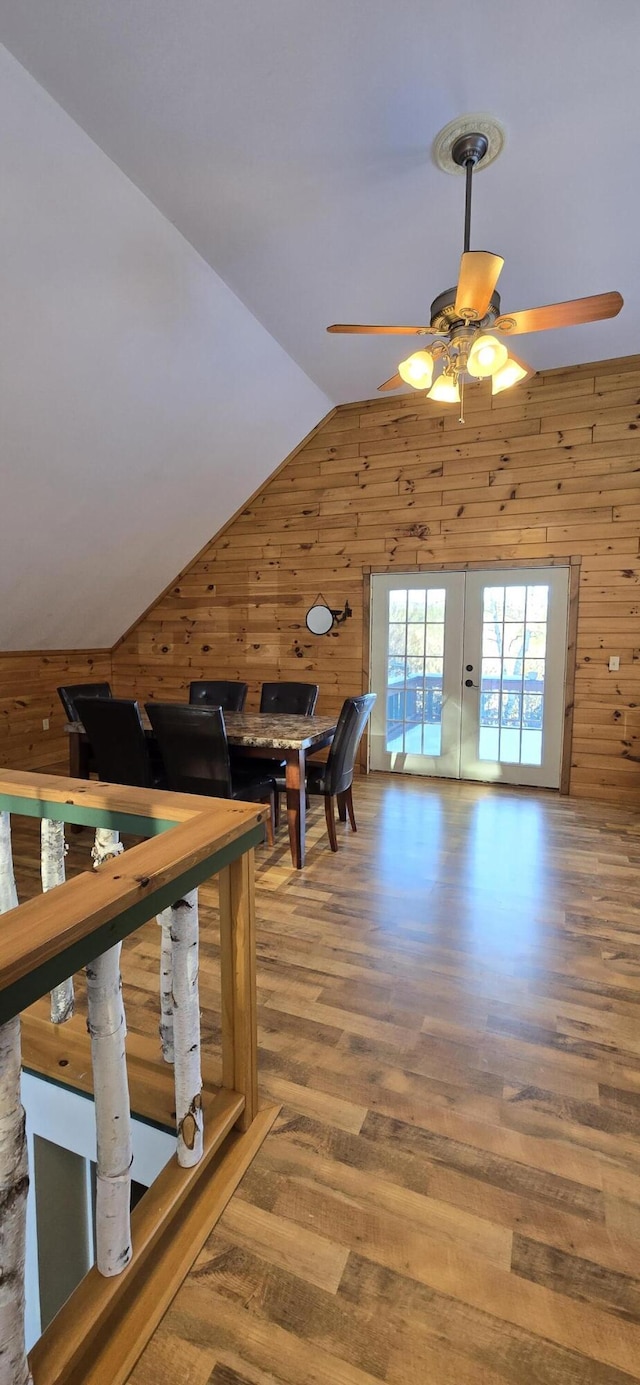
[(445, 390), (417, 370), (486, 356), (509, 374)]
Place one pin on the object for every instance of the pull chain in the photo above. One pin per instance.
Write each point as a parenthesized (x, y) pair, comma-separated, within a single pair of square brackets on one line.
[(461, 416)]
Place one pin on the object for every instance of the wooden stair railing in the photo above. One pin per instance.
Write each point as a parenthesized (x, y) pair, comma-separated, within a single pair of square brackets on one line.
[(101, 1330)]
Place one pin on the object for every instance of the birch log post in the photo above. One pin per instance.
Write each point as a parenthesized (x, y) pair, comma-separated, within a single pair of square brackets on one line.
[(166, 987), (52, 853), (186, 1028), (107, 1029), (14, 1178)]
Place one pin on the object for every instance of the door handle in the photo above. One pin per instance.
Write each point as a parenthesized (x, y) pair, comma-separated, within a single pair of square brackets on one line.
[(469, 683)]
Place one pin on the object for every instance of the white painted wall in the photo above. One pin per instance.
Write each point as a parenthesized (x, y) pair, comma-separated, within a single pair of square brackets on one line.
[(140, 402), (67, 1119)]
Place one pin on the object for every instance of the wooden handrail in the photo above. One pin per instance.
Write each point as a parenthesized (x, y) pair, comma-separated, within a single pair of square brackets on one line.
[(45, 940), (61, 931)]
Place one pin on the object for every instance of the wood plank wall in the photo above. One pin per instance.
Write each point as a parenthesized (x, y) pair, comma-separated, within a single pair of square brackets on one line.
[(550, 470), (28, 683)]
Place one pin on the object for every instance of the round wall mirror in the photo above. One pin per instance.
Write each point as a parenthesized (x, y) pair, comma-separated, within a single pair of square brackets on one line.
[(319, 620)]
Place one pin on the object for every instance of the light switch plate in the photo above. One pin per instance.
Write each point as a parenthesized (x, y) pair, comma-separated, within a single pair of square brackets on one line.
[(614, 663)]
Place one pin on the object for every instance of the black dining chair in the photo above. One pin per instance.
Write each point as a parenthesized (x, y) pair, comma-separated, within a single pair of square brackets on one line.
[(283, 699), (219, 692), (195, 753), (118, 742), (69, 694), (334, 779), (289, 699)]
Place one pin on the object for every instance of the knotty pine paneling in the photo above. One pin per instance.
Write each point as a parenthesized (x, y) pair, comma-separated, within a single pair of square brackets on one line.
[(547, 471), (28, 683)]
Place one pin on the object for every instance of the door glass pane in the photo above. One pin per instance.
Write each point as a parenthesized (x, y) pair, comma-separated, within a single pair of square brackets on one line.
[(493, 603), (512, 668), (534, 675), (511, 709), (489, 709), (414, 684), (435, 605), (531, 748), (512, 680), (398, 605), (416, 605), (415, 639), (536, 638), (489, 743), (537, 602), (532, 712), (397, 639), (492, 639), (434, 634), (513, 640), (510, 747), (514, 603)]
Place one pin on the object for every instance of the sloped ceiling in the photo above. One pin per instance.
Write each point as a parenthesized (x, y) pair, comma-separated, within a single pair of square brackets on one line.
[(140, 401), (291, 141), (289, 144)]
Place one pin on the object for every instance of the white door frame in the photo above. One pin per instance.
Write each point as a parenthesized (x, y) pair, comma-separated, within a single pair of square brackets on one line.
[(446, 765), (535, 776), (432, 571)]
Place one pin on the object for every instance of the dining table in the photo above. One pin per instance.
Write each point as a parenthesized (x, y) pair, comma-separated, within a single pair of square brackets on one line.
[(262, 735)]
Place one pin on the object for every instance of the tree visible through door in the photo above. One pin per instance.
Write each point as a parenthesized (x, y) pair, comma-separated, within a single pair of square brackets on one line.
[(469, 671)]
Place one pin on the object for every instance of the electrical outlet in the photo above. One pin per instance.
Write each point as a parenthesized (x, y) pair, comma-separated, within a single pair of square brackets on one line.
[(45, 723), (614, 663)]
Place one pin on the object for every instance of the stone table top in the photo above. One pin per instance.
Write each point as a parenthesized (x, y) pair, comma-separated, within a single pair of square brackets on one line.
[(266, 730), (277, 731)]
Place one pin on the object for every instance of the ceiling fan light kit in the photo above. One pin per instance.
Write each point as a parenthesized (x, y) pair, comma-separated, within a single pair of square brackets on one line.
[(464, 319)]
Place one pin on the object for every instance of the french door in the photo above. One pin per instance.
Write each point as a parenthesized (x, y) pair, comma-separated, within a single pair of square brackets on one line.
[(469, 669)]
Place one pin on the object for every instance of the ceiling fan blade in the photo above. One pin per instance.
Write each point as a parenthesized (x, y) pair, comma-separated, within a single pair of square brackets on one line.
[(395, 383), (391, 331), (570, 314), (479, 274)]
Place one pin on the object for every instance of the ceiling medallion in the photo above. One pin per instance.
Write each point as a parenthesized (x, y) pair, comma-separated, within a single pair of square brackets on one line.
[(463, 125)]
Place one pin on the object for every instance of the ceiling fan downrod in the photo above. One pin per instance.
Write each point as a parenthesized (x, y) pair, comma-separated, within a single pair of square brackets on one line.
[(467, 152)]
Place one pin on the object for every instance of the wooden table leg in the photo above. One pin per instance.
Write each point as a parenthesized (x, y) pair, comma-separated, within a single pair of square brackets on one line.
[(238, 983), (79, 756), (296, 804)]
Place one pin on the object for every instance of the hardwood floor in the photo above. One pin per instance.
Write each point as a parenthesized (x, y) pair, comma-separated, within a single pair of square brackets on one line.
[(450, 1017)]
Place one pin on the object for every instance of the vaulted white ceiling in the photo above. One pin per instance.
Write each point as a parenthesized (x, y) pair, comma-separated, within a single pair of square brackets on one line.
[(193, 189), (290, 142), (140, 401)]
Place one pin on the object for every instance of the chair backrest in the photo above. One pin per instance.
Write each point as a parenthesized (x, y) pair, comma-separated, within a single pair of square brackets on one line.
[(69, 694), (193, 744), (293, 699), (117, 739), (342, 755), (219, 693)]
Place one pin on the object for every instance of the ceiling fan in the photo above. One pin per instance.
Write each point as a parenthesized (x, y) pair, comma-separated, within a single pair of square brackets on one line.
[(464, 319)]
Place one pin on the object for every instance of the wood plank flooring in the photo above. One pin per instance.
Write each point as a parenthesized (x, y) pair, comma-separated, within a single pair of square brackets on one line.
[(449, 1014)]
